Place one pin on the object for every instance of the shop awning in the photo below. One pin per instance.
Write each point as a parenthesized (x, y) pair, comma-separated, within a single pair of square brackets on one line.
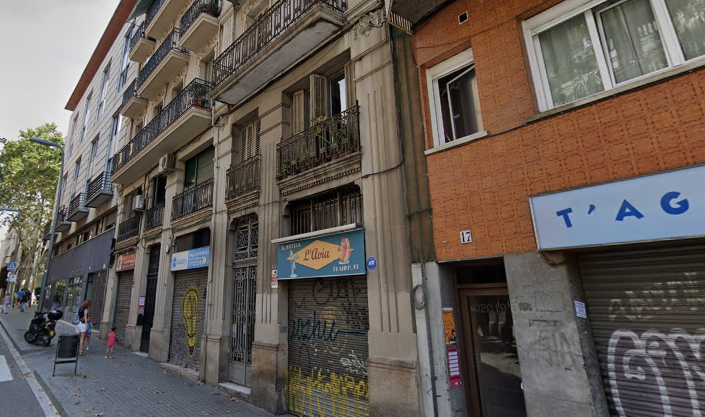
[(140, 8)]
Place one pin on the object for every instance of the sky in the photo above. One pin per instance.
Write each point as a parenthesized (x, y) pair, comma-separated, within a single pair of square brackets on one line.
[(44, 47)]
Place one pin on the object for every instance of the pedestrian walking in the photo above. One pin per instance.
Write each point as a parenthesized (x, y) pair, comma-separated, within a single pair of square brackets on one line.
[(20, 295), (112, 339), (5, 303), (88, 334), (83, 318), (24, 300)]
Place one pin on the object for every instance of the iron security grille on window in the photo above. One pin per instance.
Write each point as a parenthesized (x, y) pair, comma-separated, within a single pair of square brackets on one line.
[(77, 203), (139, 33), (195, 94), (171, 43), (198, 7), (129, 228), (192, 200), (243, 177), (263, 31), (246, 232), (100, 183), (326, 140), (336, 208), (154, 217)]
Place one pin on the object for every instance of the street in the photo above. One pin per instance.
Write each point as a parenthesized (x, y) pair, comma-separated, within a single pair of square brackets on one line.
[(128, 385)]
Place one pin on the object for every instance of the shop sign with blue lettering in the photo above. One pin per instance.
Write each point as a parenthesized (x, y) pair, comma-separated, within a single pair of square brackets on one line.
[(669, 205), (191, 259), (340, 254)]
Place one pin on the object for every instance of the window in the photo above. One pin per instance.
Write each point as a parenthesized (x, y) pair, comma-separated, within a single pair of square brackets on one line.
[(125, 62), (114, 131), (101, 102), (338, 101), (249, 140), (455, 109), (75, 177), (158, 190), (335, 208), (86, 117), (199, 168), (580, 48)]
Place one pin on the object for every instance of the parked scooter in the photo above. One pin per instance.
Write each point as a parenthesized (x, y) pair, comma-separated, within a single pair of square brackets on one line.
[(41, 328)]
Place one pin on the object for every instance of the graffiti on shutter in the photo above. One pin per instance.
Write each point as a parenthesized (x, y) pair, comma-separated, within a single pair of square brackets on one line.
[(647, 311), (187, 319)]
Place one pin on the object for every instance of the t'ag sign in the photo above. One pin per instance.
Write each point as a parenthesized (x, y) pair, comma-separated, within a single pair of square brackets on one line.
[(334, 255), (654, 207)]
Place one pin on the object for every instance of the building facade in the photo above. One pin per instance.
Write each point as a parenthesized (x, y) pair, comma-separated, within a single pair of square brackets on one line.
[(82, 255), (562, 142), (262, 236)]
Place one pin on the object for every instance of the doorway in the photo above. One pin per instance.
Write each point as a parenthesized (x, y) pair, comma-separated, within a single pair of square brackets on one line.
[(492, 376)]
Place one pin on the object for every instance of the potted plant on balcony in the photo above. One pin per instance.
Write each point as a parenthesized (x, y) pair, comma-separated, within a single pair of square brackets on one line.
[(199, 93)]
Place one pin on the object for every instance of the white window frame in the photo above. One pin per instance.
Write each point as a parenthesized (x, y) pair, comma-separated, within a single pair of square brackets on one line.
[(435, 73), (86, 116), (103, 88), (571, 8), (125, 58)]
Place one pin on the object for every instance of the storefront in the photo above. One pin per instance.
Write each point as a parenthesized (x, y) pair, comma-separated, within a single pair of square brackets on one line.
[(645, 297), (189, 306), (125, 280), (328, 323)]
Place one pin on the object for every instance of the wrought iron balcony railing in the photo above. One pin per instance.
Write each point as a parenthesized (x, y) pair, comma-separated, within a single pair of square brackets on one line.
[(129, 228), (197, 8), (326, 140), (243, 178), (78, 202), (263, 31), (47, 230), (152, 11), (192, 200), (171, 43), (100, 183), (130, 92), (194, 95), (136, 35), (154, 217)]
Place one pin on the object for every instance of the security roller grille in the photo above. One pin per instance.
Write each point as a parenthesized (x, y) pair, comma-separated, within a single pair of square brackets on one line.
[(122, 304), (187, 318)]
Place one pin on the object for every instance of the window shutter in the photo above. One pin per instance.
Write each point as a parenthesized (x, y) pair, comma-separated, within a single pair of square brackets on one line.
[(319, 96), (350, 85), (257, 130), (297, 110), (246, 146)]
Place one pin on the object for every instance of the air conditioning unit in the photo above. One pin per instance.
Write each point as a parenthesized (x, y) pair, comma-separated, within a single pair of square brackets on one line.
[(138, 203), (166, 164)]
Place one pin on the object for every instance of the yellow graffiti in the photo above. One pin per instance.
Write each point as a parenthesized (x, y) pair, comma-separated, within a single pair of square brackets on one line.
[(310, 393), (190, 312)]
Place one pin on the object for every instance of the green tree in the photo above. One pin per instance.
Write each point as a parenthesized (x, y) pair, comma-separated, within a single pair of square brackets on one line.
[(28, 179)]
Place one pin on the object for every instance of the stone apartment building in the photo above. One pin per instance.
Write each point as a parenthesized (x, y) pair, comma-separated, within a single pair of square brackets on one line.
[(81, 260), (559, 147), (261, 232)]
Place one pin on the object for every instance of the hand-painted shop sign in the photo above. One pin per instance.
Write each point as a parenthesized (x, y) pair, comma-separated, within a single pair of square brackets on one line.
[(191, 259), (126, 261), (326, 256), (669, 205)]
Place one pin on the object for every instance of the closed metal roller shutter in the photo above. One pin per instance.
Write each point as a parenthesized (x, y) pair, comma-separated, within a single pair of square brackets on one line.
[(647, 311), (122, 304), (328, 327), (187, 318)]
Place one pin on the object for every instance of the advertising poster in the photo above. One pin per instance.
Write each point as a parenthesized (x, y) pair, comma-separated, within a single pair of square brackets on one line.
[(449, 324)]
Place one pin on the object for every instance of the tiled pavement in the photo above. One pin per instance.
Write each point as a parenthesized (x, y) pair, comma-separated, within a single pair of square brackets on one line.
[(128, 385)]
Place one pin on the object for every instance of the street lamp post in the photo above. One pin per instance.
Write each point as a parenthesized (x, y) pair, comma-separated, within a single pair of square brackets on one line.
[(55, 214)]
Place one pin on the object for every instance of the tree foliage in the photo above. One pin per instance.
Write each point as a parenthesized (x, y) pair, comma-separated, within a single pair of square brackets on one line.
[(28, 179)]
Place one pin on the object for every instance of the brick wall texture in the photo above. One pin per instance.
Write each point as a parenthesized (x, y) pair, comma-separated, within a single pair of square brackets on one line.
[(485, 185)]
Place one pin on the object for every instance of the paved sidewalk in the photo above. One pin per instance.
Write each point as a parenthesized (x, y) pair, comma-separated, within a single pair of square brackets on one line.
[(128, 385)]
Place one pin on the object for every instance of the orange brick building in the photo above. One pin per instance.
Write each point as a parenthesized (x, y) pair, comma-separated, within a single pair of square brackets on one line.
[(546, 103)]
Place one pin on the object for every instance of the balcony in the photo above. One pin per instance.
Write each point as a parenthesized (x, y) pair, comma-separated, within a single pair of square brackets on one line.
[(243, 178), (168, 59), (326, 141), (193, 200), (132, 104), (413, 10), (77, 208), (100, 190), (160, 16), (47, 231), (154, 217), (130, 228), (187, 115), (284, 35), (141, 46), (62, 224), (199, 24)]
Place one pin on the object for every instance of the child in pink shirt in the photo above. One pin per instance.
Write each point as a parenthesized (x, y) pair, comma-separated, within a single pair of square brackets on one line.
[(112, 338)]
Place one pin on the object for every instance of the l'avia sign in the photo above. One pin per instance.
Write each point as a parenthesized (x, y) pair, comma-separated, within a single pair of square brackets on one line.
[(326, 256)]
